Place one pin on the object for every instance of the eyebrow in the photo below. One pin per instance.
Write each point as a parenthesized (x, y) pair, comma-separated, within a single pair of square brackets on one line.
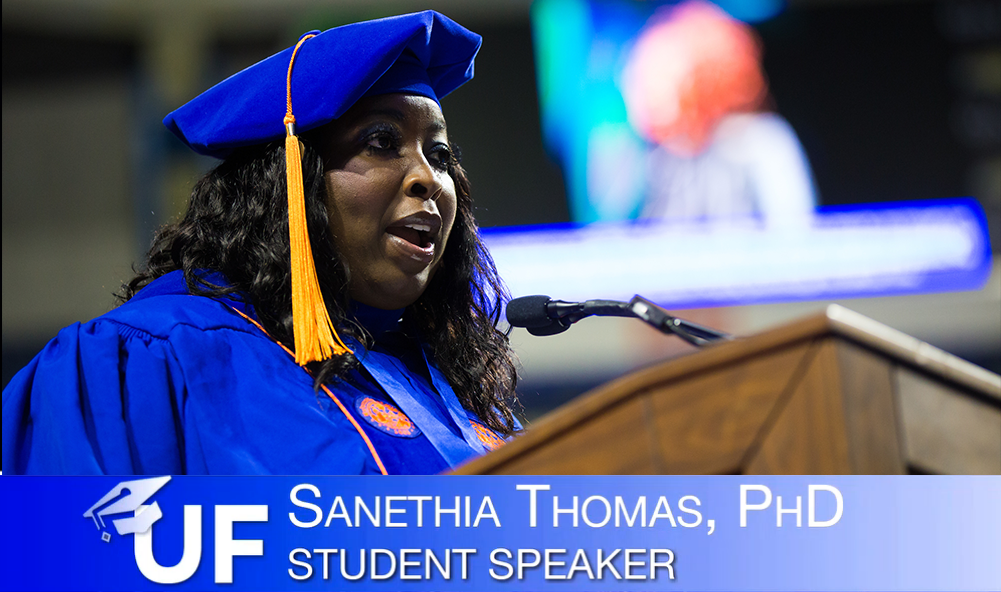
[(388, 112), (437, 125)]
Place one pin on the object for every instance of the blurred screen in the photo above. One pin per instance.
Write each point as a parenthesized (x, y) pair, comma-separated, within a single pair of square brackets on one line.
[(664, 112)]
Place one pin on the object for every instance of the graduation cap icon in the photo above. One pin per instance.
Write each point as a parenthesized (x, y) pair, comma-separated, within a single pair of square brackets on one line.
[(128, 497)]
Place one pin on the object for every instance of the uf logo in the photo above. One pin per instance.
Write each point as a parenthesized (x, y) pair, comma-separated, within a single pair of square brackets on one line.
[(129, 496)]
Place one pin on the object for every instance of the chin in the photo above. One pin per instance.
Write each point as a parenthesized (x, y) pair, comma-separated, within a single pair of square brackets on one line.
[(392, 295)]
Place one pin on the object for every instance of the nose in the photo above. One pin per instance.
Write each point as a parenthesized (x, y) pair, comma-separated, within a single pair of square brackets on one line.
[(421, 180)]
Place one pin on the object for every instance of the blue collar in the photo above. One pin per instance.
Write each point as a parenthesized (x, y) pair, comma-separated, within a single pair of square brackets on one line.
[(173, 284), (376, 320)]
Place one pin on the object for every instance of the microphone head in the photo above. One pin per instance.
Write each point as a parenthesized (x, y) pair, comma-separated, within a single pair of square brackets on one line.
[(529, 311)]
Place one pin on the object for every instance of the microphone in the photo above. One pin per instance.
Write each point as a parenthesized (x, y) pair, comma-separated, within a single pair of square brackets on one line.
[(529, 312), (542, 315)]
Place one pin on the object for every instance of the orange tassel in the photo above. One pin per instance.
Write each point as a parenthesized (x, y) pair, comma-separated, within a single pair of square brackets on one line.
[(315, 336)]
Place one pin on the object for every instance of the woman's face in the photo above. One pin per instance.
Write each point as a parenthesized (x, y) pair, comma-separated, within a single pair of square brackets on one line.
[(391, 200)]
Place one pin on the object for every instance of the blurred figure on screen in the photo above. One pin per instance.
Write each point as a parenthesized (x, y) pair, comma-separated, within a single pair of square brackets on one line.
[(694, 87)]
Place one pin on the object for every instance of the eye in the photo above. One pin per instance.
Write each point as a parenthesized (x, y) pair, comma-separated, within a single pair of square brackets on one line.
[(382, 140), (441, 157)]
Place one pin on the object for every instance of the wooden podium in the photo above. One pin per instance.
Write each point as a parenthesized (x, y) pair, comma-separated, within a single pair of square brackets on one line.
[(835, 393)]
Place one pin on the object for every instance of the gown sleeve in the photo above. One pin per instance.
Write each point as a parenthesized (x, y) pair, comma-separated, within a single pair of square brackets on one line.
[(100, 398)]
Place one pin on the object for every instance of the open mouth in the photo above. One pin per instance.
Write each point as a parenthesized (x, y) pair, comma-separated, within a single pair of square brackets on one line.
[(416, 234)]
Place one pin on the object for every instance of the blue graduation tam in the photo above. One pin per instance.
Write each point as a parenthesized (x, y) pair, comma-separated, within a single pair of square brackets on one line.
[(424, 53)]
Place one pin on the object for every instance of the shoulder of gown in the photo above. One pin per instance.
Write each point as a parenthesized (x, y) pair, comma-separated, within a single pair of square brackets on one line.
[(172, 383)]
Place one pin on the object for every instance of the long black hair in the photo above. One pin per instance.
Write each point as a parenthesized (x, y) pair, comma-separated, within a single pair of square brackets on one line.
[(237, 224)]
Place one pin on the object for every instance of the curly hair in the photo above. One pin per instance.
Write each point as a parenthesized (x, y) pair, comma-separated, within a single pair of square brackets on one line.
[(237, 224)]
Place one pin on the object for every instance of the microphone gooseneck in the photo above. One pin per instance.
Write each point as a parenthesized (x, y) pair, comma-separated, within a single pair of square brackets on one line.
[(542, 316)]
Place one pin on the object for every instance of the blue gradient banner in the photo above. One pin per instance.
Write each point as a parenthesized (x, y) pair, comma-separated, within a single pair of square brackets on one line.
[(502, 533)]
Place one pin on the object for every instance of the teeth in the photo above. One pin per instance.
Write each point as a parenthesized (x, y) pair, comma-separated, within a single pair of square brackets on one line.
[(419, 227)]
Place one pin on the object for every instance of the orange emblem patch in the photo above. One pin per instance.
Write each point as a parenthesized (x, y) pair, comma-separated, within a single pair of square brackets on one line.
[(491, 440), (386, 418)]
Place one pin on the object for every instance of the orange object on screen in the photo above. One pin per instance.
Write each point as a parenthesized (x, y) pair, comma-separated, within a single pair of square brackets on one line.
[(692, 65)]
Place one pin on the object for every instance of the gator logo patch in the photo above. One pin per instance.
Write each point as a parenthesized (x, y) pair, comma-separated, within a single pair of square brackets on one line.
[(386, 418), (491, 440)]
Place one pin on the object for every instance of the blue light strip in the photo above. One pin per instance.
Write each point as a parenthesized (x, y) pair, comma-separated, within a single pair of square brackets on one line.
[(842, 252)]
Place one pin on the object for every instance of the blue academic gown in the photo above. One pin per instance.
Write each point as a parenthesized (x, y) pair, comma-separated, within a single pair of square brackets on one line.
[(174, 383)]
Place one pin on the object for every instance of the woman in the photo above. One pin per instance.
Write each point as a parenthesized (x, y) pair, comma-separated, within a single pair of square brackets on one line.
[(325, 305)]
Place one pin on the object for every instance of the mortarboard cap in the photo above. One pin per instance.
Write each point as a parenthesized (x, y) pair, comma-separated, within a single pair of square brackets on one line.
[(424, 53), (324, 74)]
